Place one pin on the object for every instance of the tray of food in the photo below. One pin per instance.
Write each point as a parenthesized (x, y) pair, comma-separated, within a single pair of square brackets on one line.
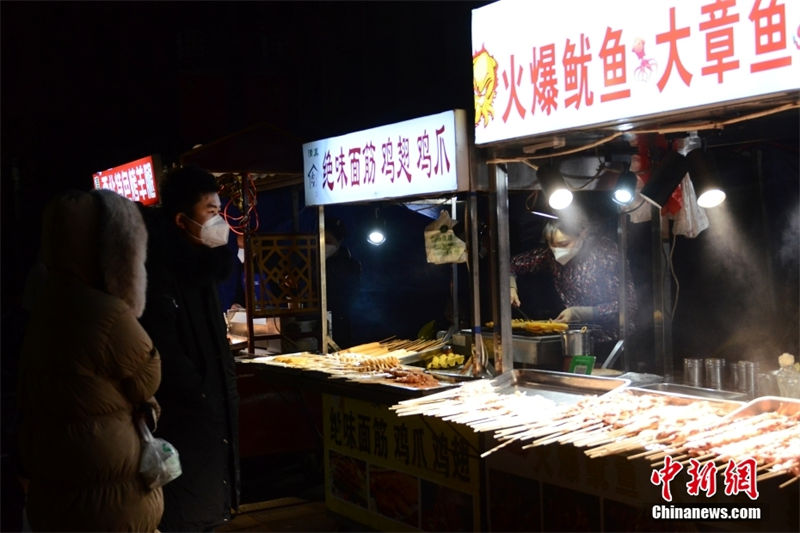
[(373, 370), (769, 404), (766, 430), (406, 351), (695, 392), (534, 327), (408, 378), (561, 387), (619, 422)]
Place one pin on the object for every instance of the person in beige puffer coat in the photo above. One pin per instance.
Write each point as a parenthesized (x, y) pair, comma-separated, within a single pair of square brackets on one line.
[(88, 371)]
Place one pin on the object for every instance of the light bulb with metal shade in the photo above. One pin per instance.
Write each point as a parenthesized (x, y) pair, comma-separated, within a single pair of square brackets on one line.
[(711, 198), (705, 178), (665, 178), (560, 199), (625, 190), (376, 237), (553, 186)]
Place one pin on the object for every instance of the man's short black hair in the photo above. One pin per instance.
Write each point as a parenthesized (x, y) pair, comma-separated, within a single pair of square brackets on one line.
[(183, 187)]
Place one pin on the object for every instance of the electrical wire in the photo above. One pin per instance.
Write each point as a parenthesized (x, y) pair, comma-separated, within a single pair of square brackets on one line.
[(634, 208), (239, 224), (668, 258), (715, 125)]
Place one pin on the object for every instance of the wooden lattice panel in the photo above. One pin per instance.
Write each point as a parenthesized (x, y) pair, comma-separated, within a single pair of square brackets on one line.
[(286, 267)]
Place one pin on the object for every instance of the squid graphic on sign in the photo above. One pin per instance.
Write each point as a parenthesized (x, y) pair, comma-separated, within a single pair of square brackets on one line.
[(647, 65), (484, 85)]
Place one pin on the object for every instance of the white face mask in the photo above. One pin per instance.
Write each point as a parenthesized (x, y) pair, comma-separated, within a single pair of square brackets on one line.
[(214, 232), (330, 249), (240, 255), (564, 255)]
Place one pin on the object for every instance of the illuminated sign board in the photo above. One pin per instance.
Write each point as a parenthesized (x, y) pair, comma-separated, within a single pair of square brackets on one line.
[(421, 156), (542, 67), (136, 180)]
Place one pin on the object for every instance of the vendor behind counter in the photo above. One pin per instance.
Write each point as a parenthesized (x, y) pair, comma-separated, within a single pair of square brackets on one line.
[(583, 268)]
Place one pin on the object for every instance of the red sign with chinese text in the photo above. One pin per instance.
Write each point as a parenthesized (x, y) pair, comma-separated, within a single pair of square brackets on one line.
[(135, 180)]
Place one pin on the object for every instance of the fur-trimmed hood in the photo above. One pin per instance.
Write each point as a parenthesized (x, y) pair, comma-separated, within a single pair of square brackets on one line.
[(100, 239)]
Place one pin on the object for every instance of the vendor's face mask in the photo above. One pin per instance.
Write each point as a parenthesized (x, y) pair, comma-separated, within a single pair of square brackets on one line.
[(214, 232), (564, 249), (564, 246), (330, 249), (564, 255)]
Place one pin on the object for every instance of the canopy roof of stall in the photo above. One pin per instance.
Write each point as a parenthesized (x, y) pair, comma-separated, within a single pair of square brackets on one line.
[(773, 120), (721, 124), (270, 154)]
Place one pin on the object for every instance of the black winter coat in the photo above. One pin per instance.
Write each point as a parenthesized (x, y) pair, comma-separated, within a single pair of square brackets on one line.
[(198, 393)]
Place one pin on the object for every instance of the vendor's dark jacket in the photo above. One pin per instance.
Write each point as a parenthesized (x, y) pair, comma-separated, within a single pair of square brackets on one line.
[(198, 386)]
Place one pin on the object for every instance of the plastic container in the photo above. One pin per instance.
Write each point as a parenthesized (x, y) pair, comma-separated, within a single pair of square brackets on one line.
[(787, 377)]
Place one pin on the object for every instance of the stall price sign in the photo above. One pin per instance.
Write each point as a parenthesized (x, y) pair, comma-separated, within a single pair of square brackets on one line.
[(542, 67), (421, 156), (135, 180)]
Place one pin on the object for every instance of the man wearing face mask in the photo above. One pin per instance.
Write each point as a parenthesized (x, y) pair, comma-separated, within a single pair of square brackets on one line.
[(585, 276), (187, 257)]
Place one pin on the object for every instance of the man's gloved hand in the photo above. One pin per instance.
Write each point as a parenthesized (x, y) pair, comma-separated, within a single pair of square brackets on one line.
[(576, 314), (514, 297)]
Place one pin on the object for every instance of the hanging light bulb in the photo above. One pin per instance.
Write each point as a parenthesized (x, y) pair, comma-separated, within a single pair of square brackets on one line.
[(376, 235), (558, 196), (625, 190), (705, 178), (711, 198)]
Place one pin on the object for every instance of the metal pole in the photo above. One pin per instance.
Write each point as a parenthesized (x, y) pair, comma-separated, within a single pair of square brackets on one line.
[(249, 282), (622, 232), (501, 301), (479, 359), (661, 318), (323, 281), (454, 280)]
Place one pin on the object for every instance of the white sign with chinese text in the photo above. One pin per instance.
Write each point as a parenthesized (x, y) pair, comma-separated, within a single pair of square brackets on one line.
[(547, 66), (422, 156), (135, 180)]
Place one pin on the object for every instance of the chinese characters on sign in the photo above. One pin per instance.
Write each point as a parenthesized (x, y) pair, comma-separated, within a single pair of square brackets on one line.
[(393, 441), (739, 477), (420, 156), (135, 180), (531, 75)]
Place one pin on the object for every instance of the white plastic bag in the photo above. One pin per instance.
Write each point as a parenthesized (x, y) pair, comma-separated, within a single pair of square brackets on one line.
[(691, 220), (441, 244), (159, 463)]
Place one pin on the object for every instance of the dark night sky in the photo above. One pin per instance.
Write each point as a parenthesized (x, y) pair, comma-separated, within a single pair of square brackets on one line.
[(89, 85)]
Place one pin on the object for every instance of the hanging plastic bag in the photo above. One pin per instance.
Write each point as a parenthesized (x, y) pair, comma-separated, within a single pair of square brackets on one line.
[(691, 220), (160, 463), (441, 244)]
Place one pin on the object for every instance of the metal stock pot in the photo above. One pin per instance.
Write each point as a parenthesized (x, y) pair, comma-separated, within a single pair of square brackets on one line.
[(577, 342)]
